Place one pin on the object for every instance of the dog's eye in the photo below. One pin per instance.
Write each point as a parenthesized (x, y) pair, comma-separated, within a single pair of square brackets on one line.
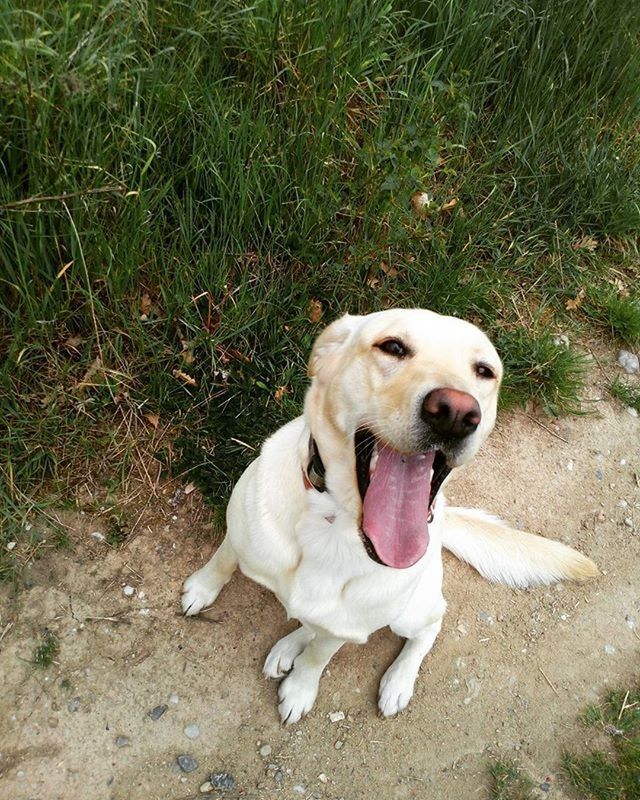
[(393, 347), (485, 371)]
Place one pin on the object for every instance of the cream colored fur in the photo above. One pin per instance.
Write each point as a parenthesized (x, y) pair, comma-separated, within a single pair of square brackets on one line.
[(306, 546)]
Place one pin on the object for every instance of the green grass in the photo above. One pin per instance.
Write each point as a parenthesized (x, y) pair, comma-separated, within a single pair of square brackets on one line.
[(627, 394), (179, 180), (509, 782), (45, 653), (612, 773)]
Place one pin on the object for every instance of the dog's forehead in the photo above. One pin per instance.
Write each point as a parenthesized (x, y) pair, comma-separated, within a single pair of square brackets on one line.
[(425, 330)]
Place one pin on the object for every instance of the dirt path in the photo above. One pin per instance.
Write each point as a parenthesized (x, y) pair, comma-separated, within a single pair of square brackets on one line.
[(508, 674)]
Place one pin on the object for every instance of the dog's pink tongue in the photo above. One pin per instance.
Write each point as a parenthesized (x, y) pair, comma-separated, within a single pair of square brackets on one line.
[(396, 507)]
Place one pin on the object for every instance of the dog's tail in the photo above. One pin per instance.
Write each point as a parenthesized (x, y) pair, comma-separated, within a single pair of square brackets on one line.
[(505, 555)]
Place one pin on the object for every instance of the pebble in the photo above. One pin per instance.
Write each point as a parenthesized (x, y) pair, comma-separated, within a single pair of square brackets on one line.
[(99, 537), (628, 522), (339, 744), (206, 787), (10, 545), (73, 705), (157, 712), (129, 591), (122, 741), (53, 722), (599, 474), (632, 411), (187, 763), (265, 750), (546, 786), (336, 716), (609, 649), (224, 780), (323, 778), (173, 698), (192, 731), (483, 616), (299, 788), (629, 362), (278, 777)]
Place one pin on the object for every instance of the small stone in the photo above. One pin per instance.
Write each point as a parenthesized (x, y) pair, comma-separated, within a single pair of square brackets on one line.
[(628, 522), (10, 545), (53, 722), (631, 623), (599, 474), (336, 716), (192, 731), (570, 466), (461, 630), (265, 750), (632, 411), (223, 780), (609, 649), (173, 698), (629, 362), (323, 778), (545, 786), (299, 788), (99, 537), (206, 787), (278, 777), (483, 616), (187, 763), (339, 744), (73, 705), (122, 741), (157, 712), (129, 591)]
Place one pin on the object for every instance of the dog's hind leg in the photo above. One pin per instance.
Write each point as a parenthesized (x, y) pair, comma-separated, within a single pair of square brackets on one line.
[(200, 590), (298, 691), (285, 651), (396, 686)]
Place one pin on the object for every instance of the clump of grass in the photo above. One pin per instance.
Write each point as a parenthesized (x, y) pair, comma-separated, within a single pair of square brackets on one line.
[(623, 318), (629, 395), (618, 314), (539, 369), (45, 653), (614, 774), (509, 782)]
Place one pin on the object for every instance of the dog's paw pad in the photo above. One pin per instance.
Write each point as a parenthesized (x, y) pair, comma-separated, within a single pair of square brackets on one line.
[(396, 690), (296, 698), (197, 595)]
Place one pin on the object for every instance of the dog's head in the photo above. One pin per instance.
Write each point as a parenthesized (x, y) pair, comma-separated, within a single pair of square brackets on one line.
[(396, 398)]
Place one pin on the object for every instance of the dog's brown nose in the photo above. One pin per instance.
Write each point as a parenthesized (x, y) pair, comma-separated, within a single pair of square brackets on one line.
[(451, 413)]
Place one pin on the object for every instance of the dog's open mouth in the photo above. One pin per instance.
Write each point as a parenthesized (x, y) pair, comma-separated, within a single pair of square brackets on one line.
[(397, 493)]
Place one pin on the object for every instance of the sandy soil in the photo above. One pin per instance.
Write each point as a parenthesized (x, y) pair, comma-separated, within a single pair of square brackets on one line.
[(509, 673)]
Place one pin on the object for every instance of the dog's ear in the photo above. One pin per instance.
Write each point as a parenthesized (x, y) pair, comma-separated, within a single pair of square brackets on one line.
[(328, 345)]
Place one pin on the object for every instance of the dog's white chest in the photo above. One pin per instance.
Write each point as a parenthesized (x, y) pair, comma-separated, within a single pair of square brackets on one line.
[(337, 587)]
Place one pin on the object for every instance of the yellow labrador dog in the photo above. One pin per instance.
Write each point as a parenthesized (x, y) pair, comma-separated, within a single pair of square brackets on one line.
[(341, 514)]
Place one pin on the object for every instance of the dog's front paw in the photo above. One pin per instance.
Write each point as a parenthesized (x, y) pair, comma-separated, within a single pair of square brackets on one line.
[(297, 695), (198, 593), (396, 689), (284, 652)]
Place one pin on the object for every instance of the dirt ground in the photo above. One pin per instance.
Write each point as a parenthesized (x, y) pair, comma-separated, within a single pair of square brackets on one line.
[(509, 673)]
